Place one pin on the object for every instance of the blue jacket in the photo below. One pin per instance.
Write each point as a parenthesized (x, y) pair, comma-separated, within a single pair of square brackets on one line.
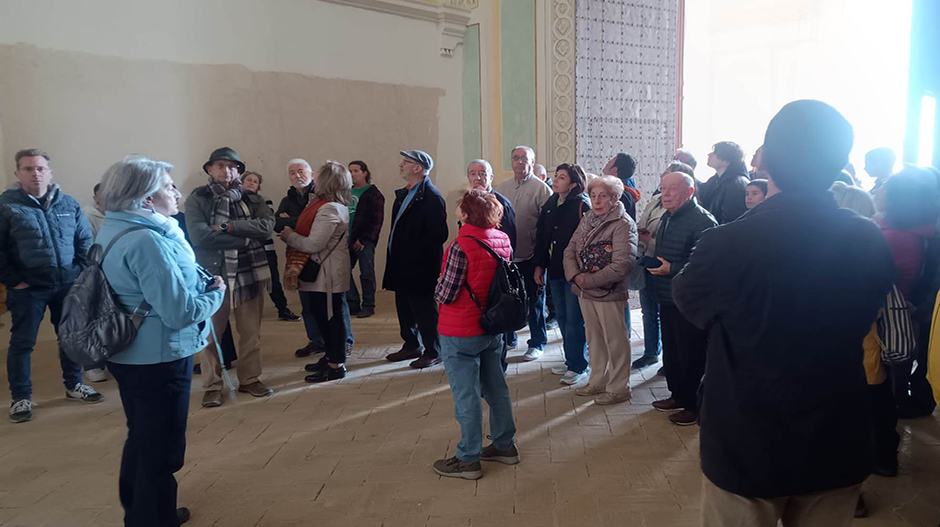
[(159, 267), (44, 245)]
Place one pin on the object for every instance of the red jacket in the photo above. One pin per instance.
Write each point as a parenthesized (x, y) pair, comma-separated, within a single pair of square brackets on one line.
[(461, 318), (908, 249)]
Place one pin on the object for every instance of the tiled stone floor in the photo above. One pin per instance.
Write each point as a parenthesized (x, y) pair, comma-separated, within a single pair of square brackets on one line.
[(358, 452)]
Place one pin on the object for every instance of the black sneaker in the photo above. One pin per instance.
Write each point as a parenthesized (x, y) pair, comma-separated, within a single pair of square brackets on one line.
[(644, 361), (326, 374), (287, 316), (83, 393), (21, 411), (455, 468), (314, 367), (365, 313), (310, 349)]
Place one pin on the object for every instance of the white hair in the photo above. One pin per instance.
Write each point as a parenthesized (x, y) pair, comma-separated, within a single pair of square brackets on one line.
[(540, 168), (298, 161), (486, 166), (127, 183), (526, 148)]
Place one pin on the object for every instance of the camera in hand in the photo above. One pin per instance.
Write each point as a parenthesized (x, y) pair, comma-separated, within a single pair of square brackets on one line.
[(207, 278)]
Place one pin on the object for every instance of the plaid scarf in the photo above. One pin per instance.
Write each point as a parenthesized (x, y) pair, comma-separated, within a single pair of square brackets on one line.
[(246, 269)]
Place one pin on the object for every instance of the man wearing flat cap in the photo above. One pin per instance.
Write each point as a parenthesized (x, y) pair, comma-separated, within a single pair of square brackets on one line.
[(228, 228), (415, 250)]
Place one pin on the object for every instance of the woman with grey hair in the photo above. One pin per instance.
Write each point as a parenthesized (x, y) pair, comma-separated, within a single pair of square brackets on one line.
[(318, 266), (149, 260), (597, 262)]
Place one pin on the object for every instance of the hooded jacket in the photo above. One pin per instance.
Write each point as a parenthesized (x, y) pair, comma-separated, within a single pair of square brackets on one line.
[(43, 243), (615, 235)]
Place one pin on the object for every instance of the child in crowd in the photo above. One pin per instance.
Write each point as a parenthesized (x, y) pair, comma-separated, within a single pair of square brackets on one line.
[(755, 193)]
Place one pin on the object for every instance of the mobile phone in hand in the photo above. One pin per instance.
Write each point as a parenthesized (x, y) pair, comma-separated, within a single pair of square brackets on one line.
[(649, 262)]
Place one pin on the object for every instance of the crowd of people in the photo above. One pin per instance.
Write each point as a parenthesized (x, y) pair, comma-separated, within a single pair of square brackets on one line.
[(733, 275)]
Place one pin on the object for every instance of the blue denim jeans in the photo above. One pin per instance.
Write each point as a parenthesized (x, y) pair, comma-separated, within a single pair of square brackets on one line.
[(366, 260), (651, 333), (27, 309), (310, 323), (571, 323), (538, 336), (474, 370)]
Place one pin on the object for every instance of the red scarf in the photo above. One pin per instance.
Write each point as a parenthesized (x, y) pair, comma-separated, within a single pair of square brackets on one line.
[(296, 260)]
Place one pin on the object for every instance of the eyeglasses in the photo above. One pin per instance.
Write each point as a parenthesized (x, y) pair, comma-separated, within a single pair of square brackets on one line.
[(520, 158)]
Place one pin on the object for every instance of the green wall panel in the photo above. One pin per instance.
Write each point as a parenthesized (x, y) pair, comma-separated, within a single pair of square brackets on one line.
[(517, 72), (472, 111)]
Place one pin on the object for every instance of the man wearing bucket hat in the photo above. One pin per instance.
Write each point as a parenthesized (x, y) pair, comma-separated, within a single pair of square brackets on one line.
[(415, 250), (228, 228)]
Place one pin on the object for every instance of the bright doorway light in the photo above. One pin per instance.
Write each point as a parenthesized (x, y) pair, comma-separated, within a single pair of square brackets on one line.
[(928, 116), (744, 60)]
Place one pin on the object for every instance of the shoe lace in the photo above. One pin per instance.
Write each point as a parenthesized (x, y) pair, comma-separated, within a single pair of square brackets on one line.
[(23, 405), (84, 389)]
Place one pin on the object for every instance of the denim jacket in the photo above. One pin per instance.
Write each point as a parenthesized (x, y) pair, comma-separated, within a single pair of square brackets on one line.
[(157, 266)]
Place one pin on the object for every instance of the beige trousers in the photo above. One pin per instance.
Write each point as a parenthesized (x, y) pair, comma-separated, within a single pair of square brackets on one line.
[(608, 344), (248, 326), (832, 508)]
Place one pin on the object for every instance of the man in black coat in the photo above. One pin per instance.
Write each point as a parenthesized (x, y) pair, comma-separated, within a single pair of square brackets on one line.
[(787, 295), (480, 177), (723, 194), (298, 195), (680, 229), (415, 251)]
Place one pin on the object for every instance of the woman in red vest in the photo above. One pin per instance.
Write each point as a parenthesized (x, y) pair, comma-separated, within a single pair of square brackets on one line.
[(472, 357)]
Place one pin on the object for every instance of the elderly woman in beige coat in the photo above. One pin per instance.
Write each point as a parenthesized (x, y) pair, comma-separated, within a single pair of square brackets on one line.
[(321, 238), (597, 262)]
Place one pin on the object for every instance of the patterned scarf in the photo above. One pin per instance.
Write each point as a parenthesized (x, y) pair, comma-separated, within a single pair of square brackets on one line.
[(246, 269), (296, 260)]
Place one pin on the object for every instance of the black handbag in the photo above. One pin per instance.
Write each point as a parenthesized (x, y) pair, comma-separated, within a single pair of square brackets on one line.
[(311, 269), (94, 325)]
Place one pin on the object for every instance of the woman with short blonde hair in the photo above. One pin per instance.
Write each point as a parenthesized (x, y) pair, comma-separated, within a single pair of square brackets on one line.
[(318, 266)]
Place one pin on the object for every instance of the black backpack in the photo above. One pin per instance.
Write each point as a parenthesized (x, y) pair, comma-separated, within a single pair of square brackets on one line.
[(507, 306), (94, 325)]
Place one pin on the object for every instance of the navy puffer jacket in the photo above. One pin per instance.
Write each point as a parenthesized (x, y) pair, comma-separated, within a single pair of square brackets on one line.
[(43, 245)]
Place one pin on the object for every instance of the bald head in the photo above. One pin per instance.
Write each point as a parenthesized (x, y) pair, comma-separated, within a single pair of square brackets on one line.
[(677, 189), (540, 171)]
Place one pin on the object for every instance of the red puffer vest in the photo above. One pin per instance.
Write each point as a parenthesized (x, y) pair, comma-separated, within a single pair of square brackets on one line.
[(461, 318)]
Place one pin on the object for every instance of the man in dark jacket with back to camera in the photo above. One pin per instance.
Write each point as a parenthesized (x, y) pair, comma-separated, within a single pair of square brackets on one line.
[(44, 240), (413, 263), (786, 417)]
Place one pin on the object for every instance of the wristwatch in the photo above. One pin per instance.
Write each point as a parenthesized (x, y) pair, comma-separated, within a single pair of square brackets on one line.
[(224, 227)]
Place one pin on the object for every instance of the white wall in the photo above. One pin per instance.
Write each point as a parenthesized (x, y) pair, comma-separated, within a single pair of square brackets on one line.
[(216, 40)]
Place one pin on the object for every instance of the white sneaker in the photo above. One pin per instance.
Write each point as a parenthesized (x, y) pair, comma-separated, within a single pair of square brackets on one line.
[(575, 378), (532, 354), (83, 393), (560, 369), (21, 411), (96, 375)]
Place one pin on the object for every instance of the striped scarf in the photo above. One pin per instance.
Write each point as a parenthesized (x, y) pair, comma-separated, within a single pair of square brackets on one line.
[(246, 269)]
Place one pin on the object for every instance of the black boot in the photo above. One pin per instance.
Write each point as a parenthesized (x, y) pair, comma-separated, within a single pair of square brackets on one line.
[(327, 374)]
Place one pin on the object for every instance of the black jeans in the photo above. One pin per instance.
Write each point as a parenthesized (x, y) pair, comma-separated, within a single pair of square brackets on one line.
[(885, 418), (333, 330), (417, 315), (277, 292), (156, 403), (683, 356)]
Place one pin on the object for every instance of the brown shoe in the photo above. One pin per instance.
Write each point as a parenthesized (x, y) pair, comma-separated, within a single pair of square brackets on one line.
[(257, 388), (404, 354), (212, 399), (425, 362), (684, 418), (612, 398), (667, 405), (506, 457), (455, 468)]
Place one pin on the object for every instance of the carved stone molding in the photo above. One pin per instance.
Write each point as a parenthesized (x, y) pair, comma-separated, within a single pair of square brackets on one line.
[(451, 16), (562, 109)]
